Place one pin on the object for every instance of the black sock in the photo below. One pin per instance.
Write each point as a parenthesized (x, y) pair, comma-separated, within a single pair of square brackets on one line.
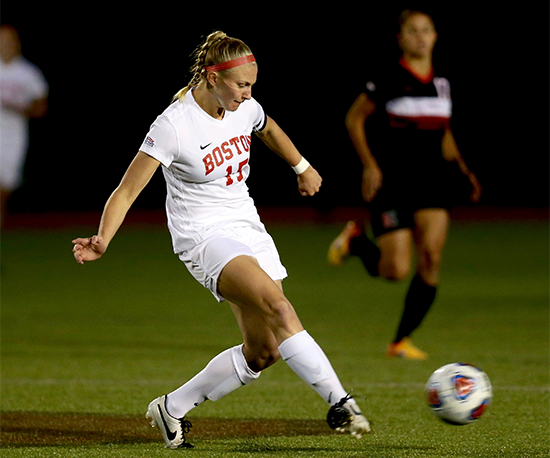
[(418, 301), (367, 251)]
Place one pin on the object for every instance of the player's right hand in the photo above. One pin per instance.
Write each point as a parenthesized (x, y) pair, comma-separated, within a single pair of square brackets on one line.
[(372, 182), (88, 249), (309, 182)]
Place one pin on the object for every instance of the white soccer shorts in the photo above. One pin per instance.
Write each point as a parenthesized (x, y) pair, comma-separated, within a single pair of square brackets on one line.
[(13, 153), (206, 260)]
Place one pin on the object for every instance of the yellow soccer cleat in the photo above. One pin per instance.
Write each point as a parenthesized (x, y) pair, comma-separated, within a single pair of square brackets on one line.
[(339, 248), (406, 350)]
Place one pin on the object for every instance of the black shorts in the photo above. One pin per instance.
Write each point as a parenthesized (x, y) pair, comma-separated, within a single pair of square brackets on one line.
[(394, 209)]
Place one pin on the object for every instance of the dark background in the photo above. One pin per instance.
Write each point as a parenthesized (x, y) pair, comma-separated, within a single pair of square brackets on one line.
[(113, 67)]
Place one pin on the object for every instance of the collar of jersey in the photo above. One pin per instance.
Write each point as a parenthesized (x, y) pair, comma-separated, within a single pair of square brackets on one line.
[(203, 113), (423, 79)]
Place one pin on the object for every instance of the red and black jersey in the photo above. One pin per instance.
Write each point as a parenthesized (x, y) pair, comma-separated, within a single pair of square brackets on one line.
[(406, 131)]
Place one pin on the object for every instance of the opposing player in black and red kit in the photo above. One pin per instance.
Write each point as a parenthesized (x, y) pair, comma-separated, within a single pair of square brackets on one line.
[(406, 179)]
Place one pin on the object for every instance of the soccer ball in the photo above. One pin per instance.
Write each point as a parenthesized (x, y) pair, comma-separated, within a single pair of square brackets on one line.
[(458, 393)]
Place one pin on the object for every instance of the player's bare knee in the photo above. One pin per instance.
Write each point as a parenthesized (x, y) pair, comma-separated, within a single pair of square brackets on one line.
[(264, 357), (429, 260), (278, 311), (394, 271)]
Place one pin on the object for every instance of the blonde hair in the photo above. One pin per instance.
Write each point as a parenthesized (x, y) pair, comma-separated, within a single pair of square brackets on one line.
[(217, 48)]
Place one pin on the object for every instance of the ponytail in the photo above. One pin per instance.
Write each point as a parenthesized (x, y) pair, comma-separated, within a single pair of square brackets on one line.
[(217, 48)]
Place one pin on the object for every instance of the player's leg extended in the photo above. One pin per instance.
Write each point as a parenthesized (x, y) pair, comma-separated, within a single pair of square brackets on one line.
[(255, 295)]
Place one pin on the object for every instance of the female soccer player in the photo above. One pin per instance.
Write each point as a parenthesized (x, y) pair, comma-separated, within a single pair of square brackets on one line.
[(202, 140), (23, 96), (405, 178)]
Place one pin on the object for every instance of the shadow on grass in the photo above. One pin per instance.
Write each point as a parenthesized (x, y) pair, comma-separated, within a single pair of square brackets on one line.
[(22, 429)]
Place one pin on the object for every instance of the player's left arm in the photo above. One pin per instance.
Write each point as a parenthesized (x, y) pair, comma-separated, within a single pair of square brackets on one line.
[(452, 154), (35, 109), (309, 181), (38, 108)]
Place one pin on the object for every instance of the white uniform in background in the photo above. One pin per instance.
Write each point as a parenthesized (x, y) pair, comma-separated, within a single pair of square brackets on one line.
[(21, 83), (211, 216)]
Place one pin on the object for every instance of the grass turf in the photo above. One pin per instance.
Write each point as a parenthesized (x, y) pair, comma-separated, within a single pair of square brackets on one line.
[(107, 337)]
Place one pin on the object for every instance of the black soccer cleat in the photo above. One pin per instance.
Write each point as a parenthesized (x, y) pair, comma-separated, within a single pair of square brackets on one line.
[(346, 417)]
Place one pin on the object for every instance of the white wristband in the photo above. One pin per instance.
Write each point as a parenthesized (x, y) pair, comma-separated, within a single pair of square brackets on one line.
[(301, 166)]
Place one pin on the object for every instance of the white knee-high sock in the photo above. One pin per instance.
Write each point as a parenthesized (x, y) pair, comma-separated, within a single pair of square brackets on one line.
[(223, 374), (306, 358)]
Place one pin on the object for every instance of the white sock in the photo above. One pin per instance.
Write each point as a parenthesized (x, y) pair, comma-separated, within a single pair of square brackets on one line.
[(307, 359), (223, 374)]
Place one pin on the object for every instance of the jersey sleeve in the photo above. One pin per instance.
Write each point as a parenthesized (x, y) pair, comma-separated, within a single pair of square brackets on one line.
[(161, 142), (374, 83), (372, 90), (38, 84), (259, 120)]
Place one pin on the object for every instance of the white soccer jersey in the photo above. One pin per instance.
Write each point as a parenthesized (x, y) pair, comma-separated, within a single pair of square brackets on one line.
[(21, 82), (205, 163)]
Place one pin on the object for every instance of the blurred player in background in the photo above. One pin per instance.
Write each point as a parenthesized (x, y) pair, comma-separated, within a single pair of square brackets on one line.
[(23, 95), (202, 140), (406, 180)]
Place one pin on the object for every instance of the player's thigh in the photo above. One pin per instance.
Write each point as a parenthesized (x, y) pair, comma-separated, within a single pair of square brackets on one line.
[(252, 324), (431, 229), (244, 283), (395, 253)]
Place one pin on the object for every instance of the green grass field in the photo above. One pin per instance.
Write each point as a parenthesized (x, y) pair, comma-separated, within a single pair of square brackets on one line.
[(83, 346)]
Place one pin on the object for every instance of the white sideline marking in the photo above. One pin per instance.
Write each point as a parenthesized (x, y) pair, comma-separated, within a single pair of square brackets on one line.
[(94, 382)]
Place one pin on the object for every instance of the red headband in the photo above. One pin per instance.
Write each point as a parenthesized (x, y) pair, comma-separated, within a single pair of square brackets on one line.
[(231, 64)]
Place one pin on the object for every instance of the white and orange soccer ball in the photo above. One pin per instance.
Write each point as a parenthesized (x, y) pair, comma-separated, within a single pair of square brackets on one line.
[(458, 393)]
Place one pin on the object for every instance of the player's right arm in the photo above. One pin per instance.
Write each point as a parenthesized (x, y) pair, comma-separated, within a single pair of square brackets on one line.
[(362, 108), (135, 179)]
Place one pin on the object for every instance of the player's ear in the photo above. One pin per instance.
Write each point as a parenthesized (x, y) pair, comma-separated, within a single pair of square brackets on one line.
[(212, 78)]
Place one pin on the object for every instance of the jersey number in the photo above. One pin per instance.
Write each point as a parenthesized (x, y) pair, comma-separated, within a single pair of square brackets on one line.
[(230, 181)]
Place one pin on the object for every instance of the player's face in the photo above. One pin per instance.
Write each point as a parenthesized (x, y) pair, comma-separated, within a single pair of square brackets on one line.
[(418, 36), (235, 87), (10, 46)]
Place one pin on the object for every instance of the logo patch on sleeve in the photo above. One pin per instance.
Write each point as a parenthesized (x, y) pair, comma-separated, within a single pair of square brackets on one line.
[(149, 142), (390, 219)]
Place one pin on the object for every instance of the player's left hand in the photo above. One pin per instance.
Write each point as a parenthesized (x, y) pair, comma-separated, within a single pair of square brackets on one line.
[(88, 249), (309, 182), (476, 188)]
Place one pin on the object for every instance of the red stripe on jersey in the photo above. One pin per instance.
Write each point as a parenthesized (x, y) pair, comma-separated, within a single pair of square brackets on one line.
[(421, 122)]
